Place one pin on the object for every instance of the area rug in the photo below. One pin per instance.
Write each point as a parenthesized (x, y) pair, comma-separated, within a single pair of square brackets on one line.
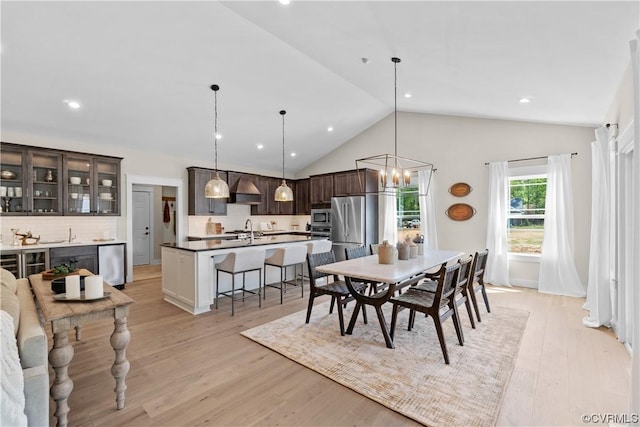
[(411, 379)]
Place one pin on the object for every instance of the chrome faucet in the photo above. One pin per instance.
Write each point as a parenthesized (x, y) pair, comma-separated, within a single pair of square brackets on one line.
[(248, 221), (71, 238)]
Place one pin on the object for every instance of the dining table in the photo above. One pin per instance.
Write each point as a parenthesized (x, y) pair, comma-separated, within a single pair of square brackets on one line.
[(400, 274)]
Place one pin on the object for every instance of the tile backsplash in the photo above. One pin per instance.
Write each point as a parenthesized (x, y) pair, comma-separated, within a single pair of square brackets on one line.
[(57, 228), (237, 215)]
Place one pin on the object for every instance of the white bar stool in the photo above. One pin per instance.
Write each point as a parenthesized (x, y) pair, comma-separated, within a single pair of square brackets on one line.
[(319, 246), (236, 263), (289, 256)]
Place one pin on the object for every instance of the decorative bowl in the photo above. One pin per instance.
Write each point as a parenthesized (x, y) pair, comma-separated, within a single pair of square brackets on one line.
[(7, 174), (107, 182), (75, 180)]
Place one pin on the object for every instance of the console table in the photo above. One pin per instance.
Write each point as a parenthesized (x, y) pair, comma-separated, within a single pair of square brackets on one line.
[(65, 315)]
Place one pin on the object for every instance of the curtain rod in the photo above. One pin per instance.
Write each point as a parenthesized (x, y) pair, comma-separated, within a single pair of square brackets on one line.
[(530, 158)]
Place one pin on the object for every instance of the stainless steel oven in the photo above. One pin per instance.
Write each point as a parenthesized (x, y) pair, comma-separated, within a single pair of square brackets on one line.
[(321, 223)]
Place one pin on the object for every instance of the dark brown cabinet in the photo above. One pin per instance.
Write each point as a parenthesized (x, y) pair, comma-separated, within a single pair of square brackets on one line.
[(267, 186), (355, 182), (46, 182), (198, 204), (301, 197), (91, 184), (321, 189)]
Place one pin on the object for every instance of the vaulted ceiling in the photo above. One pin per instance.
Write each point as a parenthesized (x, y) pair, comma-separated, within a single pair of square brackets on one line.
[(142, 70)]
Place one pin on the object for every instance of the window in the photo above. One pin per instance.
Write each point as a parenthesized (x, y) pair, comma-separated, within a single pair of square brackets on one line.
[(408, 211), (526, 215)]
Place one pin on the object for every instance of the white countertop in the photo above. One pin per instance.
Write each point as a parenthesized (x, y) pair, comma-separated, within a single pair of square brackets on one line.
[(265, 233), (58, 244)]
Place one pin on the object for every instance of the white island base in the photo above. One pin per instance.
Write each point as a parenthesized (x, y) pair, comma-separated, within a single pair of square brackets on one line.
[(189, 275)]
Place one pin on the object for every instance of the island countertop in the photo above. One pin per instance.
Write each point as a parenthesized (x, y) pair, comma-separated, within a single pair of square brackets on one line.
[(208, 245)]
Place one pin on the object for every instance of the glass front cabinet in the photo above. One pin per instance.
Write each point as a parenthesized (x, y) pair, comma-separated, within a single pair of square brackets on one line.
[(42, 182), (92, 185)]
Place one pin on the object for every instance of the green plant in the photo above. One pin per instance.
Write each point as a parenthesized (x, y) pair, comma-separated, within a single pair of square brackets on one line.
[(63, 269)]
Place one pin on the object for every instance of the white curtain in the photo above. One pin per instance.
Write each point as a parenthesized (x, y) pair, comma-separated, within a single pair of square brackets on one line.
[(599, 285), (635, 306), (389, 216), (428, 208), (497, 272), (558, 274)]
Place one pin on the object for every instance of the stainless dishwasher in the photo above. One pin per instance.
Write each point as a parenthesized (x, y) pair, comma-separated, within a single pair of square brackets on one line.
[(111, 266)]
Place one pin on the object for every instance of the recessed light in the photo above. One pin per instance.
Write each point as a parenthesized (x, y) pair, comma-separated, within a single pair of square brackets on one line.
[(330, 129), (218, 136), (293, 154), (525, 100), (285, 2), (259, 146), (72, 103), (407, 95)]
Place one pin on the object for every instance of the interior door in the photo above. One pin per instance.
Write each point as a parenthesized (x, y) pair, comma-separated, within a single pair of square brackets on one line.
[(141, 227)]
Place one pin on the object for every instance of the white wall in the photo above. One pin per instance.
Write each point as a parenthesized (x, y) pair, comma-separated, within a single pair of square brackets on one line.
[(459, 147), (621, 110)]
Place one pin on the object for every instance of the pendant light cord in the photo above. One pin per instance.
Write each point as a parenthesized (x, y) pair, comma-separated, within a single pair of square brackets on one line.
[(215, 89), (283, 112)]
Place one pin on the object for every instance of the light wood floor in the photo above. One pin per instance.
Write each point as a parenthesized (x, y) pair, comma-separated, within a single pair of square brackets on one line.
[(197, 370)]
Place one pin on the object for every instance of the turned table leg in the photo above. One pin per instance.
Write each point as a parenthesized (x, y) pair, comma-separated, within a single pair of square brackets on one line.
[(60, 357), (119, 341)]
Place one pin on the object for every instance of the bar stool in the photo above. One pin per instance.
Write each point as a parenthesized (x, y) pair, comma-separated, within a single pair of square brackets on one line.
[(236, 263), (289, 256), (319, 246)]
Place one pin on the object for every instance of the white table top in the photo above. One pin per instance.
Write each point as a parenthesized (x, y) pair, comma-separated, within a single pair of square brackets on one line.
[(368, 267)]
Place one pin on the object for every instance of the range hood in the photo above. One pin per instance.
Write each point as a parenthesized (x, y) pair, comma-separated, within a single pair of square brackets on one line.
[(245, 192)]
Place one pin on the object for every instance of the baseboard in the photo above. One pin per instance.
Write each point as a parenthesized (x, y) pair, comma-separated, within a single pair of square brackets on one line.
[(533, 284)]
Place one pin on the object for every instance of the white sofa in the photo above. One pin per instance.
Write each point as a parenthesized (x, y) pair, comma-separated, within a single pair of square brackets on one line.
[(17, 300)]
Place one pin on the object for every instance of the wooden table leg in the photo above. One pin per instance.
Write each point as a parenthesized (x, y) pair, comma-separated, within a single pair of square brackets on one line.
[(119, 341), (60, 357)]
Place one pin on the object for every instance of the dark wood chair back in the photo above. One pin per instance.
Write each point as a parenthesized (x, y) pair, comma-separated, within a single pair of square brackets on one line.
[(446, 283), (464, 273), (479, 265), (315, 260), (356, 252)]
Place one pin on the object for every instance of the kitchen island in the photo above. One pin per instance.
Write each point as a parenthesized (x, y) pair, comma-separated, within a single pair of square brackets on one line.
[(188, 269)]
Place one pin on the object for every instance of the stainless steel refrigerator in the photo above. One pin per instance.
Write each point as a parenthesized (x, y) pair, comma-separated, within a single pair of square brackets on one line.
[(351, 224)]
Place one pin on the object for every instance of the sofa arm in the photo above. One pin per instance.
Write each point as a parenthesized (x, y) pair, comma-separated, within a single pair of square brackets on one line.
[(36, 395), (31, 337)]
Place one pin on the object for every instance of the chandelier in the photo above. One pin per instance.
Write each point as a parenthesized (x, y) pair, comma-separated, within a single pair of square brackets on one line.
[(395, 171), (216, 188)]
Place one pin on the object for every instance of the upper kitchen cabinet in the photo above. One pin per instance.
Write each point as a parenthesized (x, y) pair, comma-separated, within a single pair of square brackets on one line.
[(351, 183), (267, 188), (13, 181), (321, 190), (38, 181), (198, 204), (92, 184), (30, 182), (301, 197)]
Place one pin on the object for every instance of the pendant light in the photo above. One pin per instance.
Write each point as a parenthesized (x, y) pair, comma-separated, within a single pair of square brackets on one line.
[(216, 188), (395, 171), (283, 192)]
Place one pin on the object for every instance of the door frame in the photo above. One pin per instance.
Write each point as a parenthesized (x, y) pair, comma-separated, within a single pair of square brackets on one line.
[(181, 209), (150, 191)]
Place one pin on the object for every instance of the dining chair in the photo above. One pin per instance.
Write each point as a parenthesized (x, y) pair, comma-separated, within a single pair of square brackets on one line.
[(374, 248), (359, 252), (439, 306), (477, 281), (461, 294), (337, 288)]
